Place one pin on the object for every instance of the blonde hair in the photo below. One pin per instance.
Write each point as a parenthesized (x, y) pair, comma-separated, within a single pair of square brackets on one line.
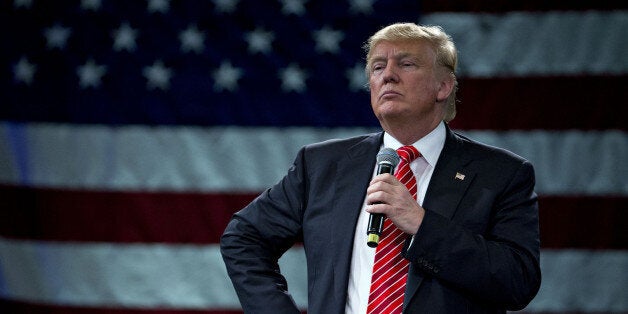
[(441, 42)]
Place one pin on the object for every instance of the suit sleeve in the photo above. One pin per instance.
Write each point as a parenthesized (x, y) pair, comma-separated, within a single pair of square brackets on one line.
[(498, 265), (255, 239)]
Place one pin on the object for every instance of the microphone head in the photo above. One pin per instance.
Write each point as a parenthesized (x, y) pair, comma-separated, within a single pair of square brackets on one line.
[(388, 155)]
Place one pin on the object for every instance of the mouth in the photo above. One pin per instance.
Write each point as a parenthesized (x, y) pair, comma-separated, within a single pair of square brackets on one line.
[(389, 94)]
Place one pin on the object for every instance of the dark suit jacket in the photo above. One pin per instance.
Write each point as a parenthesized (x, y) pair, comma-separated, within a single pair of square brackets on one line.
[(477, 250)]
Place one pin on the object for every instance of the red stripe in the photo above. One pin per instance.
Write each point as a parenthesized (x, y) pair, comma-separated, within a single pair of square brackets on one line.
[(78, 215), (383, 296), (519, 5), (558, 103), (386, 281), (585, 222), (17, 307)]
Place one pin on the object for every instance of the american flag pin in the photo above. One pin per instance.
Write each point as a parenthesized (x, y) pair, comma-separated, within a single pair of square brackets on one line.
[(459, 176)]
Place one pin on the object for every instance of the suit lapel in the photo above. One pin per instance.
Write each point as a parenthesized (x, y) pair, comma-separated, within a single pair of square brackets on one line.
[(450, 179), (448, 184), (353, 177)]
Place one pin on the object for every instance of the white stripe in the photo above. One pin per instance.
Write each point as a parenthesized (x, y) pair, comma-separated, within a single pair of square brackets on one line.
[(537, 43), (194, 277), (126, 275), (206, 159), (115, 275), (389, 272), (582, 281), (569, 162), (374, 297), (394, 309), (152, 158)]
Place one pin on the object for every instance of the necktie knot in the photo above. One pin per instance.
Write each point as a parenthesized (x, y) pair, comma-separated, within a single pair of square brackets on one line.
[(408, 153)]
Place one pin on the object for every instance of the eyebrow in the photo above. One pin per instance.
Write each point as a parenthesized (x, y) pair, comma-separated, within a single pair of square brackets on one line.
[(398, 56)]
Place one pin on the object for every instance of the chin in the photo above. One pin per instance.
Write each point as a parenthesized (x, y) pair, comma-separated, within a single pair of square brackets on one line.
[(391, 110)]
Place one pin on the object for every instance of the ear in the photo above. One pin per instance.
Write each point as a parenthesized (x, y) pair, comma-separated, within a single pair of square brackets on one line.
[(446, 86)]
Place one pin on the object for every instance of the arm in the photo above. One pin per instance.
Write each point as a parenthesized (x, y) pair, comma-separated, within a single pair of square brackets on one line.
[(257, 236), (496, 260), (489, 249)]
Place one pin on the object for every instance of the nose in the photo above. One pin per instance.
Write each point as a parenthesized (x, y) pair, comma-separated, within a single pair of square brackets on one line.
[(390, 75)]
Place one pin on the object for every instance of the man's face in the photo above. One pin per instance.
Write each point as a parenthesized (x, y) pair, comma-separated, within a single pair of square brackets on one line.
[(405, 83)]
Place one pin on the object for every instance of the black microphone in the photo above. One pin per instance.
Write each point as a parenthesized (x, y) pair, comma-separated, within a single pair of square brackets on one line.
[(387, 160)]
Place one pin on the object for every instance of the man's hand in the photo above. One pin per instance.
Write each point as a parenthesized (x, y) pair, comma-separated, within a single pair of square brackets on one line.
[(386, 195)]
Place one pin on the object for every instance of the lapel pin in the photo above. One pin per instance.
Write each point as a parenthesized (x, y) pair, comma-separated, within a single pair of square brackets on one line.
[(459, 176)]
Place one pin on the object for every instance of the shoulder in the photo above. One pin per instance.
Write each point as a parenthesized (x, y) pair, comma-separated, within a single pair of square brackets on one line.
[(344, 142), (494, 172), (344, 146), (493, 164), (323, 155), (481, 151)]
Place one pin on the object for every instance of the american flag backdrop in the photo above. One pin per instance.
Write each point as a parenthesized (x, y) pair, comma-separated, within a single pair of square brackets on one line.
[(130, 132)]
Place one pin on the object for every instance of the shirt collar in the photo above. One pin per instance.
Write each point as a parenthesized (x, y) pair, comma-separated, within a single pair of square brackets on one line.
[(430, 145)]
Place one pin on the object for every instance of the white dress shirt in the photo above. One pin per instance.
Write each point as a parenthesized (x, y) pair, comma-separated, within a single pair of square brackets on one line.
[(363, 256)]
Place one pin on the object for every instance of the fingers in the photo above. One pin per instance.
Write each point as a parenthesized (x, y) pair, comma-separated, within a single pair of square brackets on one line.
[(386, 183), (384, 178), (386, 195), (381, 189)]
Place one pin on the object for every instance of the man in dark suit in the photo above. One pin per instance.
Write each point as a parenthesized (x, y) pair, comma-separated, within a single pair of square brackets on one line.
[(471, 239)]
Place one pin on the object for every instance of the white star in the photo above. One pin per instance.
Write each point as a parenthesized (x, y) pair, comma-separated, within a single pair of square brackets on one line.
[(260, 41), (361, 6), (22, 4), (192, 40), (225, 6), (93, 5), (161, 6), (292, 79), (24, 71), (296, 7), (357, 77), (57, 36), (157, 76), (124, 38), (90, 74), (328, 40), (226, 77)]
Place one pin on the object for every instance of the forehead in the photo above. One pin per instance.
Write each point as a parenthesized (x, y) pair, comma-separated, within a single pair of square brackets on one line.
[(396, 49)]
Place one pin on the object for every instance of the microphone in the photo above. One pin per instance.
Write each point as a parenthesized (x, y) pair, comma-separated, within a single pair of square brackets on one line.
[(387, 160)]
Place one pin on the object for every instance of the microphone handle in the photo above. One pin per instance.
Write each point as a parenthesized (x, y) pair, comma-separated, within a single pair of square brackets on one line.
[(374, 231), (376, 221)]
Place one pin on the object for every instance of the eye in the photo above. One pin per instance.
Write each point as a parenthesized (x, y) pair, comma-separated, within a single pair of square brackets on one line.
[(377, 67)]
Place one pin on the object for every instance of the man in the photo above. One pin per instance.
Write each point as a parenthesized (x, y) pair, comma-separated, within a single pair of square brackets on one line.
[(470, 239)]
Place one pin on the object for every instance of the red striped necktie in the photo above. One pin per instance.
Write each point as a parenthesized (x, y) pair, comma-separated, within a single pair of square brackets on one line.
[(390, 270)]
